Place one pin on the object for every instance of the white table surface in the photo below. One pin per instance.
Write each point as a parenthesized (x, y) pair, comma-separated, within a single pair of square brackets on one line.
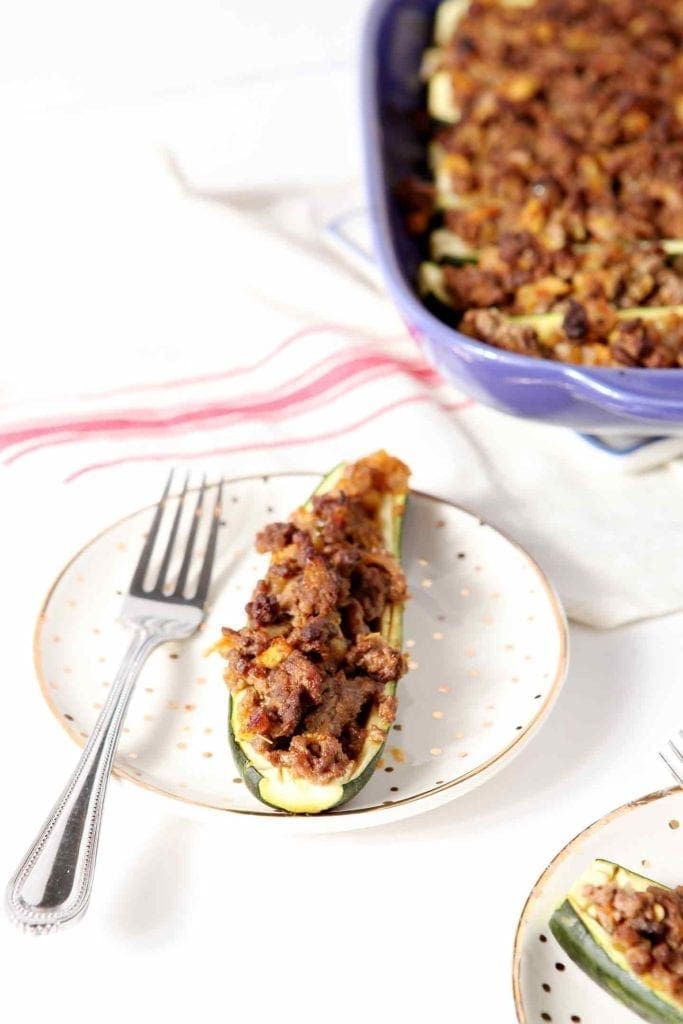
[(190, 919)]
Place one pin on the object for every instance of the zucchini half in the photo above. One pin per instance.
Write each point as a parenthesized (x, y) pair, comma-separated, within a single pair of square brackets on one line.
[(591, 947), (447, 246), (431, 285), (278, 787), (546, 324)]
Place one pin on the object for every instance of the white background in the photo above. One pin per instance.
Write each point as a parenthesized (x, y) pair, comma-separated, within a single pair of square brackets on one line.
[(413, 921)]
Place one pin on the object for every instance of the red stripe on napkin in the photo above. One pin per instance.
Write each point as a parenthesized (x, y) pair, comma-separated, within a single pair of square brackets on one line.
[(340, 379), (269, 445)]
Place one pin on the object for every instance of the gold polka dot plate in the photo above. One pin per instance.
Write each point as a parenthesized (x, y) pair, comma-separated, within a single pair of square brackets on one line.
[(643, 836), (484, 631)]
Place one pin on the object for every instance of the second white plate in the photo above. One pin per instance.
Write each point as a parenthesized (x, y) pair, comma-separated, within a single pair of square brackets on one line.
[(484, 630), (645, 836)]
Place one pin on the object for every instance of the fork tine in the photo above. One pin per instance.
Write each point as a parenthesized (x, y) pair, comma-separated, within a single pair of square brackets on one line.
[(672, 769), (205, 574), (146, 553), (189, 547), (166, 560), (676, 751)]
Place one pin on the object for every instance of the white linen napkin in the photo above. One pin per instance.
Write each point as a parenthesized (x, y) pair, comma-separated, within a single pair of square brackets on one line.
[(226, 333)]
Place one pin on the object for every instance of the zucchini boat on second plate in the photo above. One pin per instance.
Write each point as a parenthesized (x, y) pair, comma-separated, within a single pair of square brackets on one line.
[(626, 933), (312, 675)]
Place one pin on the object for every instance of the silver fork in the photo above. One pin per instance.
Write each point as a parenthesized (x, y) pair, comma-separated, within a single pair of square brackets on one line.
[(53, 883), (672, 757)]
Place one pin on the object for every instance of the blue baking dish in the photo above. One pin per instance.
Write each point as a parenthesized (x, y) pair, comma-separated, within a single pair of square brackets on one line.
[(637, 401)]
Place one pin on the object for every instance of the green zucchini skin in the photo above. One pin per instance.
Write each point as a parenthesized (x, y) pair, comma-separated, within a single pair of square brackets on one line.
[(253, 778), (337, 794), (568, 927), (250, 775)]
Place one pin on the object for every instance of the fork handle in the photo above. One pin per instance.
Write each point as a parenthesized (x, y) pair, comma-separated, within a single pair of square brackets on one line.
[(53, 883)]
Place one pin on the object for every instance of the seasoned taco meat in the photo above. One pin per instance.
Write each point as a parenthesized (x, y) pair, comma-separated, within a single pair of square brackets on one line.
[(562, 173), (647, 927), (311, 657)]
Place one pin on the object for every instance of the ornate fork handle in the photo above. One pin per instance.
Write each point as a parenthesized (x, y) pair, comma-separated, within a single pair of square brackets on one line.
[(53, 883)]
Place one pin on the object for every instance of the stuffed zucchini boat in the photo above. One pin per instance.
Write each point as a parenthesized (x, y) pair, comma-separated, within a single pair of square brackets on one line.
[(626, 933), (639, 335), (312, 676)]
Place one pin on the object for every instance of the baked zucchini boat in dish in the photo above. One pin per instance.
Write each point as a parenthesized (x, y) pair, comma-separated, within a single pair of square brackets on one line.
[(626, 932), (313, 674), (556, 157)]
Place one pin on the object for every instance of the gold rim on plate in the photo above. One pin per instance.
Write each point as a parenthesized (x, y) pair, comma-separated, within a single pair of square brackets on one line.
[(531, 727), (539, 885)]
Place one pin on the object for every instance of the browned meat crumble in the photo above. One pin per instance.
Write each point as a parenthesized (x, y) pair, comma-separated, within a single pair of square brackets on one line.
[(572, 120), (647, 927), (600, 341), (311, 658), (521, 276), (565, 171)]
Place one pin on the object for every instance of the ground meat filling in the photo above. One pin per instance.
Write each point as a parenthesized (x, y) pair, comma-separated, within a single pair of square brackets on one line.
[(571, 120), (311, 662), (647, 927), (521, 277), (563, 171), (574, 338)]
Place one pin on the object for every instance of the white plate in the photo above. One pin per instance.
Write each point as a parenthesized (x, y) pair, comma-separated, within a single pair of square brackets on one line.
[(485, 632), (645, 836)]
